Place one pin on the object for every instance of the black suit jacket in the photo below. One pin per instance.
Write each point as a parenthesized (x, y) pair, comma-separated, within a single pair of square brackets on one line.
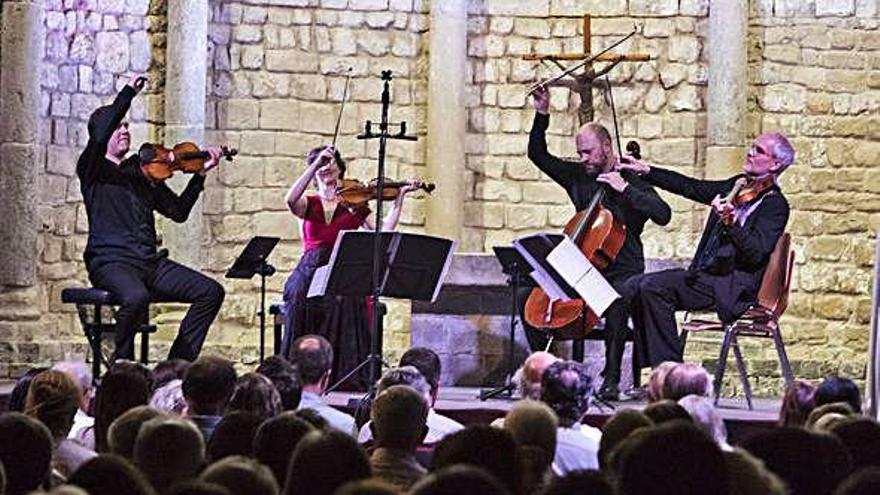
[(743, 252)]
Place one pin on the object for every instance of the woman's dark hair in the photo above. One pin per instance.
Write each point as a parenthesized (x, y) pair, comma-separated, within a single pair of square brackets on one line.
[(168, 370), (19, 392), (254, 393), (276, 439), (313, 155), (117, 393), (110, 474), (286, 379), (234, 435), (839, 389)]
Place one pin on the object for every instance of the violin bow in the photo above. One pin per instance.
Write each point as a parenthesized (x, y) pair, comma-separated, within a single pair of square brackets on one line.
[(341, 107), (614, 116), (582, 63)]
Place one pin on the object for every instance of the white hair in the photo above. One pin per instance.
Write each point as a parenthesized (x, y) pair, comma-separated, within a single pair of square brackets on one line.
[(706, 418)]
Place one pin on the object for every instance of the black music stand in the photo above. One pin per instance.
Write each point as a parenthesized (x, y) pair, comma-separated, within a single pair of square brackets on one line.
[(412, 266), (516, 268), (252, 261)]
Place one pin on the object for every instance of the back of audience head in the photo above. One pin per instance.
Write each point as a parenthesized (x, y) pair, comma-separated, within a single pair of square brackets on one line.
[(686, 379), (198, 487), (110, 474), (839, 410), (861, 437), (489, 448), (654, 389), (428, 363), (286, 379), (458, 480), (254, 393), (169, 370), (117, 393), (82, 376), (241, 474), (839, 389), (797, 403), (313, 418), (398, 417), (706, 418), (168, 451), (670, 458), (371, 486), (53, 398), (405, 375), (528, 378), (666, 410), (533, 427), (127, 367), (25, 452), (234, 435), (747, 475), (324, 461), (865, 481), (808, 462), (19, 392), (617, 429), (207, 385), (313, 357), (123, 432), (169, 398), (586, 481), (566, 387), (275, 441)]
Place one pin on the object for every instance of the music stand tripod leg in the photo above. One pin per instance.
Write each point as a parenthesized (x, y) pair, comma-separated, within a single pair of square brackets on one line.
[(508, 387)]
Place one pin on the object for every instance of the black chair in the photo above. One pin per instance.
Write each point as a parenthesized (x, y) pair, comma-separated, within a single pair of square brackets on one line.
[(276, 309), (91, 300)]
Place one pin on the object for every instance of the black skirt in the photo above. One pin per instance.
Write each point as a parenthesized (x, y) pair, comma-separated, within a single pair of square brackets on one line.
[(343, 321)]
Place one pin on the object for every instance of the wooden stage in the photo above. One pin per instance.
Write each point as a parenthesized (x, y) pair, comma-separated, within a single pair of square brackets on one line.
[(464, 405)]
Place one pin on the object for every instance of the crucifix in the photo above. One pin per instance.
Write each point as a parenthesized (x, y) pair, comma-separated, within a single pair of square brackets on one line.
[(583, 83)]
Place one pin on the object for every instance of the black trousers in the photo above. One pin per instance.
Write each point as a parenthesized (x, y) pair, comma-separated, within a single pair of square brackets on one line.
[(162, 280), (655, 297), (616, 317)]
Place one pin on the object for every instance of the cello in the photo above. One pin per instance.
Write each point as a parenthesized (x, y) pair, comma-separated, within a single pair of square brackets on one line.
[(599, 236)]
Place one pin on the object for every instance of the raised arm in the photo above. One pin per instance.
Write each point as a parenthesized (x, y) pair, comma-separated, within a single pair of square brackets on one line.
[(558, 170), (699, 190), (102, 124), (295, 201)]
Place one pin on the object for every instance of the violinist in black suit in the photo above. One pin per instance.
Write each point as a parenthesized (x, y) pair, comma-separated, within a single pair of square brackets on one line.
[(734, 250)]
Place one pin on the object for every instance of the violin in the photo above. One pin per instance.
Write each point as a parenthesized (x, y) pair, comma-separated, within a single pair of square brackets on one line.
[(745, 190), (354, 193), (159, 163)]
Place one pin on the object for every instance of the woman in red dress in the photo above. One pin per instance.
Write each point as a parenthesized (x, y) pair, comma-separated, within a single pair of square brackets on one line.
[(341, 320)]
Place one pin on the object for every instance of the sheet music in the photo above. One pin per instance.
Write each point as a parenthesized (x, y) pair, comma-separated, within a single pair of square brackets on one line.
[(446, 265), (319, 281), (539, 275), (585, 278)]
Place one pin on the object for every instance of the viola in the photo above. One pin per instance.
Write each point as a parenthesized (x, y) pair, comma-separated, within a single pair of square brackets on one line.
[(354, 193), (745, 190), (159, 163)]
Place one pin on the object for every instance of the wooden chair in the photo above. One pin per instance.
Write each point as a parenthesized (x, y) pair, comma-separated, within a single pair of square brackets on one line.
[(761, 320)]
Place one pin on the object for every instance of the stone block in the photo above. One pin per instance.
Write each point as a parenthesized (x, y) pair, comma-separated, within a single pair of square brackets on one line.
[(60, 160), (783, 98), (653, 7), (375, 43), (405, 44), (544, 193), (112, 52), (685, 49), (251, 56), (519, 217), (247, 33), (535, 8), (685, 98), (291, 61), (260, 143), (276, 224), (368, 4), (837, 8), (532, 28), (234, 228), (280, 115), (238, 113), (317, 117), (484, 214), (490, 189)]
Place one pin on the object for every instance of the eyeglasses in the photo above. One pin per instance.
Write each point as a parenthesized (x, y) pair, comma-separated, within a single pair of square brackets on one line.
[(123, 124)]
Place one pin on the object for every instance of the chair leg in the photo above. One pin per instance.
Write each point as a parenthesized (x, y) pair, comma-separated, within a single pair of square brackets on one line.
[(741, 368), (577, 350), (145, 346), (722, 361), (684, 339), (783, 357), (276, 336)]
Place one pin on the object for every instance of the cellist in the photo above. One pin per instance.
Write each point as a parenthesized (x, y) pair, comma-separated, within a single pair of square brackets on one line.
[(627, 197)]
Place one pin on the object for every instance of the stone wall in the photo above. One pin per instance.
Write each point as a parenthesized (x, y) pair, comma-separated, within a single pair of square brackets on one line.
[(276, 73)]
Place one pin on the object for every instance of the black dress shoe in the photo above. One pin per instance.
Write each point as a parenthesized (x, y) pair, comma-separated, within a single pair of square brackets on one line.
[(609, 392)]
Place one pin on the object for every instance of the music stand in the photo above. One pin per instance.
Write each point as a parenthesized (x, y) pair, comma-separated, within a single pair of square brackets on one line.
[(516, 268), (252, 261), (412, 266)]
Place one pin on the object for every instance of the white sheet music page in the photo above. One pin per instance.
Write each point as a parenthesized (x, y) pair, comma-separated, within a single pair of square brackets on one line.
[(582, 276), (319, 281)]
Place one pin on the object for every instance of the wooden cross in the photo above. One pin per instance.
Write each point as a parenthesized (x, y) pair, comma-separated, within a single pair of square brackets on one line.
[(583, 84)]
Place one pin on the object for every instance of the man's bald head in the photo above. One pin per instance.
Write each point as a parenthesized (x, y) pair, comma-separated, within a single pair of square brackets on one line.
[(594, 148), (313, 357), (532, 370)]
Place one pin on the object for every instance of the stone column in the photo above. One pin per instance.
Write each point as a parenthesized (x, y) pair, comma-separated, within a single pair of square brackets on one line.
[(20, 154), (726, 105), (447, 117), (185, 81)]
